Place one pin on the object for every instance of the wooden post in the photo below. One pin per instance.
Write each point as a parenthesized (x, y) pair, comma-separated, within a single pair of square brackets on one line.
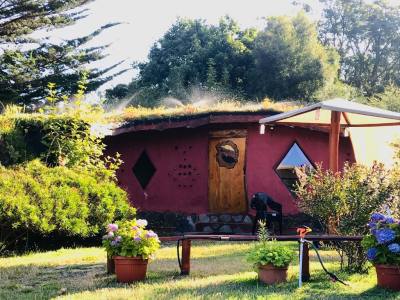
[(110, 265), (334, 135), (186, 257), (305, 275)]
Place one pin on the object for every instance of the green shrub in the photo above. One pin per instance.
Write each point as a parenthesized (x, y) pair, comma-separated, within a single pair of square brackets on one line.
[(56, 184), (342, 202), (55, 139), (388, 99), (267, 252), (72, 202), (271, 252)]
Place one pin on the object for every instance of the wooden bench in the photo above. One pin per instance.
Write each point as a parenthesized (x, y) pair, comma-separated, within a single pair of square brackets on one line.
[(186, 241)]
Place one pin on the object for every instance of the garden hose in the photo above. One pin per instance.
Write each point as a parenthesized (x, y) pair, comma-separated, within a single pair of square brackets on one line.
[(303, 231), (330, 274), (333, 276), (178, 242)]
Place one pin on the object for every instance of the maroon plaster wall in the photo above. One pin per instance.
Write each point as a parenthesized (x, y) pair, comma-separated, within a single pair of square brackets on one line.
[(264, 152), (170, 149)]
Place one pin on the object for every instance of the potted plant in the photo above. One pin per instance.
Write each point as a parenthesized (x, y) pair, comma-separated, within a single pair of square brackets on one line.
[(130, 245), (270, 258), (382, 245)]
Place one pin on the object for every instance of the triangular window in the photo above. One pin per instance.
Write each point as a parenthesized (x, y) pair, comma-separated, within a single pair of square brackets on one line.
[(286, 169)]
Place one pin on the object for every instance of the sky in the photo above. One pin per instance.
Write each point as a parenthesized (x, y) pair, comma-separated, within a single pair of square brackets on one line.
[(144, 22)]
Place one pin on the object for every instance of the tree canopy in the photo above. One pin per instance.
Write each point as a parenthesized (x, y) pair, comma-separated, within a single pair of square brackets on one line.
[(367, 37), (283, 61), (192, 53), (21, 17), (289, 60), (28, 64), (352, 50)]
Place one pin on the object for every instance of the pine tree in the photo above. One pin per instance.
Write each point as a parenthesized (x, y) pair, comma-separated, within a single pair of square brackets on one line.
[(24, 74)]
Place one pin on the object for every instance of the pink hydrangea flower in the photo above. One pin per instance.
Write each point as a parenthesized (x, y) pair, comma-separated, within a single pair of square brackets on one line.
[(135, 228), (112, 227), (151, 234)]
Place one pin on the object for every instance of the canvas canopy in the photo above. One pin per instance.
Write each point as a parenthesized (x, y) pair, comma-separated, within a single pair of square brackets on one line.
[(371, 129), (354, 115)]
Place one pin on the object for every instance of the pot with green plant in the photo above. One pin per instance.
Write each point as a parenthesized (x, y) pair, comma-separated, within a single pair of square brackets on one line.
[(382, 245), (270, 258), (131, 246)]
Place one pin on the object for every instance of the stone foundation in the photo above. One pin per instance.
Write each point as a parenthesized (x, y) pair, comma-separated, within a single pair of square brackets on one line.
[(170, 223), (224, 223)]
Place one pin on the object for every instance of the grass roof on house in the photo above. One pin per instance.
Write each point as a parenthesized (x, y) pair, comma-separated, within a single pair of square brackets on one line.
[(131, 114), (194, 115), (142, 118)]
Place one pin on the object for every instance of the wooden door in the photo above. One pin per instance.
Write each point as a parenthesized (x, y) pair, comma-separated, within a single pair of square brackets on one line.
[(226, 183)]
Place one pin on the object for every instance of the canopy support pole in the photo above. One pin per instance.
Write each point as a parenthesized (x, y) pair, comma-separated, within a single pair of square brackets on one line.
[(334, 135)]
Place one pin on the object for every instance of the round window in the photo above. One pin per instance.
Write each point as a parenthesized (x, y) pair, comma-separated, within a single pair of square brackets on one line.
[(227, 154)]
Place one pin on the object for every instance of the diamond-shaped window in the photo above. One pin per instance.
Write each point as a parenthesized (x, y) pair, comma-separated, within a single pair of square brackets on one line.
[(286, 169), (143, 169)]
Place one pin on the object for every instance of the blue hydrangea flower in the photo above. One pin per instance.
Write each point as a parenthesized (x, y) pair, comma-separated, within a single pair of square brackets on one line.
[(389, 220), (395, 248), (371, 253), (375, 217), (385, 235)]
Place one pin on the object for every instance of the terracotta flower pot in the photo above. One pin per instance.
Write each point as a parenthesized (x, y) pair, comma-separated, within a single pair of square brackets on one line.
[(270, 275), (388, 276), (130, 269), (110, 265)]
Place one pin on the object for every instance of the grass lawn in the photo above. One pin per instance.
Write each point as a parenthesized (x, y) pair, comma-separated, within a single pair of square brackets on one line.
[(219, 271)]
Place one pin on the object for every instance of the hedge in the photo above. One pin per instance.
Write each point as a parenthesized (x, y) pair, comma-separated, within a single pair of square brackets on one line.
[(39, 200)]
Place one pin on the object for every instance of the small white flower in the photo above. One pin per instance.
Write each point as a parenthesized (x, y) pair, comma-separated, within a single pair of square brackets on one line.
[(141, 223)]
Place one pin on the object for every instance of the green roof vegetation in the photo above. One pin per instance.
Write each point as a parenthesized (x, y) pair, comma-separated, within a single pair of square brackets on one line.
[(96, 115), (162, 112)]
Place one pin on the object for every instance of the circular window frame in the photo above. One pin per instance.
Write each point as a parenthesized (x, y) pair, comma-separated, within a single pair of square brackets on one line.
[(223, 163)]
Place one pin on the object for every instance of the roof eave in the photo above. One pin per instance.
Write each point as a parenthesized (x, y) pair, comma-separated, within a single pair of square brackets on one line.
[(379, 113)]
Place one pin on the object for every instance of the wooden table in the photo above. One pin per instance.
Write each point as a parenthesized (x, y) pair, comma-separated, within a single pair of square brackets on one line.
[(186, 241)]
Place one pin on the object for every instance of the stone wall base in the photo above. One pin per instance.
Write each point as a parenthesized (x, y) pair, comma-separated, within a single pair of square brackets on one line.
[(170, 223)]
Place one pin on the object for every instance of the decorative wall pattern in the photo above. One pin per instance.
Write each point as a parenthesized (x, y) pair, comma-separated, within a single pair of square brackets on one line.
[(184, 174)]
